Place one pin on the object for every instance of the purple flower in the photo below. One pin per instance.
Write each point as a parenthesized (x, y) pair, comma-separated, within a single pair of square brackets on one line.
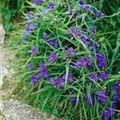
[(47, 10), (42, 66), (94, 47), (102, 98), (101, 60), (27, 29), (26, 34), (91, 36), (34, 79), (29, 15), (24, 41), (78, 15), (33, 50), (99, 13), (92, 10), (60, 83), (93, 28), (54, 80), (91, 19), (87, 7), (53, 42), (110, 91), (51, 4), (118, 92), (73, 31), (81, 3), (101, 95), (74, 99), (43, 70), (69, 12), (101, 92), (113, 106), (38, 1), (30, 27), (83, 61), (116, 85), (70, 51), (39, 16), (89, 62), (33, 26), (93, 76), (69, 77), (90, 99), (83, 32), (106, 115), (84, 39), (43, 73), (45, 35), (116, 96), (30, 65), (103, 75), (52, 56)]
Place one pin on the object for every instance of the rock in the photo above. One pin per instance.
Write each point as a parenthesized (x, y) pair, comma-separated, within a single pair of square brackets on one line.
[(6, 59), (3, 73), (2, 34), (3, 69), (2, 37), (16, 110)]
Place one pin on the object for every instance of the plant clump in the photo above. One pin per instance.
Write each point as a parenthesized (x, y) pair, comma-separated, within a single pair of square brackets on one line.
[(66, 65)]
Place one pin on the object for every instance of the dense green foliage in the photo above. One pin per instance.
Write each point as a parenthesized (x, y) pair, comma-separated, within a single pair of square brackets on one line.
[(56, 101), (11, 12)]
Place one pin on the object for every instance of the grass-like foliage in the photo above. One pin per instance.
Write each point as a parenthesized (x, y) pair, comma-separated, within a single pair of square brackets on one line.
[(10, 12), (68, 60)]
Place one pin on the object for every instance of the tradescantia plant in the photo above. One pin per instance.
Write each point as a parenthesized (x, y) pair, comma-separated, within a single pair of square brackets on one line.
[(65, 63)]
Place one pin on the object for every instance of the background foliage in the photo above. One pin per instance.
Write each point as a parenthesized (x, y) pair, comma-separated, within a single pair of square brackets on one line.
[(11, 13)]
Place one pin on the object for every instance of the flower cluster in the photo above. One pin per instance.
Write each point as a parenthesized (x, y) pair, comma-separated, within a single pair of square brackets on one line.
[(59, 43), (43, 72), (101, 95), (114, 101)]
